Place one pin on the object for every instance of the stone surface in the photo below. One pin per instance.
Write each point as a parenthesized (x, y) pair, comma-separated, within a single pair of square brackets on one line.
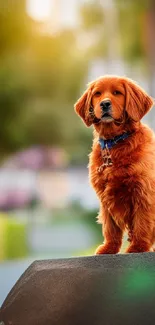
[(96, 290)]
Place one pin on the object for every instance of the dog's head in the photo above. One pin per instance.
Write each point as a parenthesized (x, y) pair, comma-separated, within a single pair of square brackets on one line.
[(112, 99)]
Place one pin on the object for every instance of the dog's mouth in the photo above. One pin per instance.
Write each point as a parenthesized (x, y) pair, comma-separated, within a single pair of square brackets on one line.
[(106, 117)]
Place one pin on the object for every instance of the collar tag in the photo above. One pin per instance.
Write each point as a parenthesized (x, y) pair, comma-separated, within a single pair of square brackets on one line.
[(106, 145), (107, 161)]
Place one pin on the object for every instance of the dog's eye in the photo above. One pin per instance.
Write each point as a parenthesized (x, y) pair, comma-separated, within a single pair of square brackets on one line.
[(97, 94), (117, 92)]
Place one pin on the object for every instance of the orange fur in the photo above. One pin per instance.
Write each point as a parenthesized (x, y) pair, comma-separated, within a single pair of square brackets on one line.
[(126, 189)]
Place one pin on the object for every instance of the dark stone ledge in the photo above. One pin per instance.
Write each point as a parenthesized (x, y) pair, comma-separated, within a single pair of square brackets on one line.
[(95, 290)]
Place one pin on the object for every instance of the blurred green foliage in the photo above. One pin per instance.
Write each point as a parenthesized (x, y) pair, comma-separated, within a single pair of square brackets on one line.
[(13, 243), (42, 74), (134, 28), (92, 15), (16, 240)]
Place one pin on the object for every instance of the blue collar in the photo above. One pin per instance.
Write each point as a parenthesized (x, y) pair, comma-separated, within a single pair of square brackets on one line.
[(110, 143)]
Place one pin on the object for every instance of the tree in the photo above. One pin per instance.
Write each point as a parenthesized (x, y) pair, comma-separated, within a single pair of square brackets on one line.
[(40, 78), (137, 27)]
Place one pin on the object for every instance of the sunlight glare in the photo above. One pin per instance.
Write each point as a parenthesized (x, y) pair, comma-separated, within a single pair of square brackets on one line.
[(39, 9)]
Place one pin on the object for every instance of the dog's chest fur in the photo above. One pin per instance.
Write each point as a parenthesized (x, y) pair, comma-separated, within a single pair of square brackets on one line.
[(116, 186)]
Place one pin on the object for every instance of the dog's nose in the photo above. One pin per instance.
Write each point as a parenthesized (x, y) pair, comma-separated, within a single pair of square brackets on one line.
[(105, 105)]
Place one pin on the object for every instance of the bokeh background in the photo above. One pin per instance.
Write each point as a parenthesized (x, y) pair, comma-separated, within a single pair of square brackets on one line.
[(49, 51)]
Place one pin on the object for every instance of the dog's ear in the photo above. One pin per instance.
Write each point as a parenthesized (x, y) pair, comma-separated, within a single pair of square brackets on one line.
[(82, 106), (138, 103)]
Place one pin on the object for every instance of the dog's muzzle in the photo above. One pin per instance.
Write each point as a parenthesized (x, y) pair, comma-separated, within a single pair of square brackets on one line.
[(95, 120)]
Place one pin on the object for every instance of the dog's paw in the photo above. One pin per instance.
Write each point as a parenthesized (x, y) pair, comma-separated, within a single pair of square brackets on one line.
[(107, 249), (138, 248)]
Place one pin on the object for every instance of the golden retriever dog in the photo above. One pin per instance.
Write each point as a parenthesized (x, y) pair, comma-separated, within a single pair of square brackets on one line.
[(122, 162)]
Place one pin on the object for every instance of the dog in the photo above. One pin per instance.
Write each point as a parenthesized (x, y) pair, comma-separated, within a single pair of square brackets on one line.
[(122, 162)]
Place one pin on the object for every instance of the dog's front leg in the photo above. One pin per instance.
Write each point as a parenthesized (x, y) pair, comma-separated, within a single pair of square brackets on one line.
[(112, 237)]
